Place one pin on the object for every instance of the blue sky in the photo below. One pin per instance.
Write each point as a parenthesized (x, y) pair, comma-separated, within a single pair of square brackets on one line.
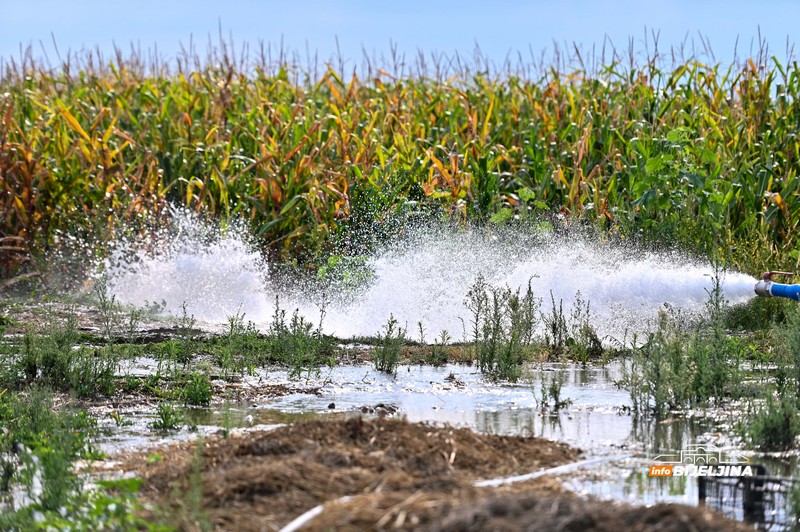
[(499, 28)]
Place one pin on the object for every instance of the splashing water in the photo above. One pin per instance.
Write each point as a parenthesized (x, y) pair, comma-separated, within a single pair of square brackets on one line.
[(422, 278), (428, 277), (214, 274)]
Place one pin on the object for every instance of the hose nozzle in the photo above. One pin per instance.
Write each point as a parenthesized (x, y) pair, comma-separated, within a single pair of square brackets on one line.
[(767, 288)]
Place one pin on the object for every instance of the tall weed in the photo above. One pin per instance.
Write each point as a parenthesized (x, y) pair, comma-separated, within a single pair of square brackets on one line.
[(503, 326), (387, 351)]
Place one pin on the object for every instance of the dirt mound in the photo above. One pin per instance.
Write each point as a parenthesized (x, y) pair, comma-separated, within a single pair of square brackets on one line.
[(531, 506), (263, 480), (398, 474)]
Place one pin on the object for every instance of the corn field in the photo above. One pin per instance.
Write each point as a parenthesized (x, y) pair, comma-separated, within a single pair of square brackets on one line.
[(697, 155)]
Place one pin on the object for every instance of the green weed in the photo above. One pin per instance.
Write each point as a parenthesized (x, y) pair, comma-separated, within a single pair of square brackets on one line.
[(556, 332), (197, 391), (794, 503), (503, 325), (167, 418), (575, 338), (107, 307), (51, 358), (438, 353), (787, 354), (240, 349), (39, 445), (550, 391), (297, 343), (386, 353), (773, 426), (186, 334), (676, 369)]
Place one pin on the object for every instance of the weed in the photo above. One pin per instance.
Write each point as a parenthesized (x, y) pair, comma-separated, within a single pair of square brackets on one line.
[(555, 323), (132, 325), (584, 345), (110, 505), (50, 358), (477, 302), (186, 333), (787, 357), (660, 372), (774, 426), (438, 354), (131, 383), (92, 374), (550, 391), (421, 329), (167, 418), (240, 347), (503, 326), (298, 344), (714, 356), (575, 338), (39, 446), (107, 307), (676, 369), (197, 391), (119, 420), (386, 354), (794, 503)]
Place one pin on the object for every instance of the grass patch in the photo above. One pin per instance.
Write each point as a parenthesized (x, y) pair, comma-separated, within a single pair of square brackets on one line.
[(168, 418), (49, 358), (39, 446), (197, 391)]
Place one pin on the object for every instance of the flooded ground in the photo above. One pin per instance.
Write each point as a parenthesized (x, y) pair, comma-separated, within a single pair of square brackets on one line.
[(596, 418), (616, 448)]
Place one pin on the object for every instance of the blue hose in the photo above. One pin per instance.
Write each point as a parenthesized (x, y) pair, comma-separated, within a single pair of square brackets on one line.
[(791, 291)]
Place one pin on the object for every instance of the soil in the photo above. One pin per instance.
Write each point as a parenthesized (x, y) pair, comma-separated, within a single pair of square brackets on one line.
[(397, 475)]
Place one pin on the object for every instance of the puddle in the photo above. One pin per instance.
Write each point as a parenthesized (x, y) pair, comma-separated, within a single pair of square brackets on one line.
[(134, 431), (423, 393)]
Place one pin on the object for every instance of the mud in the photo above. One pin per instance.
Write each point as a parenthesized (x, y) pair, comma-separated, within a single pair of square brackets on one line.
[(399, 474)]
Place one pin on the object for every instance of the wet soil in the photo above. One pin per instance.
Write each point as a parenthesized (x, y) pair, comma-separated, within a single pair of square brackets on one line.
[(401, 475)]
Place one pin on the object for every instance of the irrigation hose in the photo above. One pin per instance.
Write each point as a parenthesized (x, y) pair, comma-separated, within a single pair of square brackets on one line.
[(303, 519)]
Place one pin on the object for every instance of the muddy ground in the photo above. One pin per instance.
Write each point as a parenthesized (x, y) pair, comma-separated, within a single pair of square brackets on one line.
[(398, 475)]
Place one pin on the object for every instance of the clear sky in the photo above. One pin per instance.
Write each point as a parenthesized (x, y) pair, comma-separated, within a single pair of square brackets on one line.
[(498, 27)]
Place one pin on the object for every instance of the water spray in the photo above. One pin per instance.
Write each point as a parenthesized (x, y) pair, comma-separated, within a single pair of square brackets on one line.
[(766, 287), (214, 273)]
